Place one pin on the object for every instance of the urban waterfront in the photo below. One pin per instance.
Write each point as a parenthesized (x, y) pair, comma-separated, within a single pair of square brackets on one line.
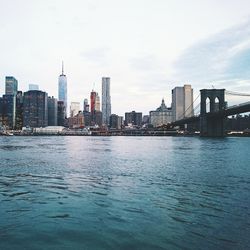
[(124, 193)]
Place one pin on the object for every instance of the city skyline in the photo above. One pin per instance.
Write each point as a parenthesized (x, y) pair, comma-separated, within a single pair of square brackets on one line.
[(146, 51)]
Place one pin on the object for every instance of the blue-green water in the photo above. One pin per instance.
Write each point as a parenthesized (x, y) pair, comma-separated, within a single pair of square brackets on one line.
[(124, 193)]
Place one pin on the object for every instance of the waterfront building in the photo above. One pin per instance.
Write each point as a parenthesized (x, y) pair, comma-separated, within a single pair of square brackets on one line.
[(9, 111), (115, 121), (52, 111), (62, 89), (145, 119), (182, 102), (86, 105), (19, 110), (11, 85), (61, 114), (35, 108), (161, 116), (106, 100), (76, 121), (96, 118), (87, 118), (1, 112), (133, 118), (74, 108), (33, 87)]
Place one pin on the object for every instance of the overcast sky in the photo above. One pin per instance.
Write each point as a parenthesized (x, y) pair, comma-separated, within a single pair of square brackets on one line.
[(146, 46)]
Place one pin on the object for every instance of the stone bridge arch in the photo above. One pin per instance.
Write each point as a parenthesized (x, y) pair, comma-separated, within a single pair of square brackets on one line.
[(212, 124)]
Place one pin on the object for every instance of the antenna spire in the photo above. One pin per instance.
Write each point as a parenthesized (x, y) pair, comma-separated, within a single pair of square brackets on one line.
[(62, 68)]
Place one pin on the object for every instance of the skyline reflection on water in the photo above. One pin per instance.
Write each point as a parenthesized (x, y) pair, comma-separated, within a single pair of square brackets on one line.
[(124, 193)]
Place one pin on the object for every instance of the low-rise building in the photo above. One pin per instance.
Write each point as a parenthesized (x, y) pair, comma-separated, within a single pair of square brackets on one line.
[(161, 116)]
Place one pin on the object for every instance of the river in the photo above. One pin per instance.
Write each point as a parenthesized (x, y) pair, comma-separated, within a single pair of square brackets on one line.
[(124, 193)]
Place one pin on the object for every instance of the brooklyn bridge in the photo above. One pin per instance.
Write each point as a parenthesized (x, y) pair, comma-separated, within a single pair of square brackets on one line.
[(213, 112)]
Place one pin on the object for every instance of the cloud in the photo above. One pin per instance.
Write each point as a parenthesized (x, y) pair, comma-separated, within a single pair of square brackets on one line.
[(144, 63), (222, 59), (96, 55)]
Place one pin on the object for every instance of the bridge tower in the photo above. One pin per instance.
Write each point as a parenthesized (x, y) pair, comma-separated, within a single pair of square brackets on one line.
[(212, 121)]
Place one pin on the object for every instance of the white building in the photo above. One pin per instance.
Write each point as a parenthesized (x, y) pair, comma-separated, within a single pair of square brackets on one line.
[(74, 108), (106, 100), (182, 102), (161, 116), (97, 102)]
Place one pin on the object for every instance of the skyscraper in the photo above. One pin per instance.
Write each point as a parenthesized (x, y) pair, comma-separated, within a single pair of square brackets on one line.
[(97, 102), (9, 111), (52, 111), (35, 109), (62, 89), (19, 110), (11, 85), (85, 105), (106, 100), (182, 102), (92, 101), (60, 113)]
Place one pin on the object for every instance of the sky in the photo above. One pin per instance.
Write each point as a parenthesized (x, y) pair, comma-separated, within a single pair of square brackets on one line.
[(146, 47)]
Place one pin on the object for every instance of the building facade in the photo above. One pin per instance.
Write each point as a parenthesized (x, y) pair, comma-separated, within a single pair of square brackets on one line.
[(97, 103), (19, 110), (182, 102), (92, 101), (61, 114), (161, 116), (35, 109), (115, 121), (52, 111), (62, 90), (133, 118), (76, 121), (9, 111), (86, 105), (74, 108), (106, 100), (11, 85), (33, 87)]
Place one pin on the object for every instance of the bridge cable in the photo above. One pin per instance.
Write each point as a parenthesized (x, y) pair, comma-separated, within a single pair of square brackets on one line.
[(183, 115), (236, 93)]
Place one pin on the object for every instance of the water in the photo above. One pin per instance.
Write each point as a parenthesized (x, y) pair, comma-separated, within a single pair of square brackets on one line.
[(124, 193)]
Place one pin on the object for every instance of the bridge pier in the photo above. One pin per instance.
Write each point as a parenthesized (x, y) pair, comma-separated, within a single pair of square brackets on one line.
[(212, 125)]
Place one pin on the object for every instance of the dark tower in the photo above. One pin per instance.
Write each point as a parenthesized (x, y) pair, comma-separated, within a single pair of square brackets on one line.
[(212, 119)]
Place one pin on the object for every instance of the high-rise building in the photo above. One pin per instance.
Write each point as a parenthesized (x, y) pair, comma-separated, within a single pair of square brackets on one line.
[(182, 102), (35, 109), (74, 108), (33, 87), (106, 100), (19, 110), (11, 85), (85, 105), (9, 111), (52, 111), (62, 89), (92, 101), (96, 118), (61, 113), (97, 103)]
